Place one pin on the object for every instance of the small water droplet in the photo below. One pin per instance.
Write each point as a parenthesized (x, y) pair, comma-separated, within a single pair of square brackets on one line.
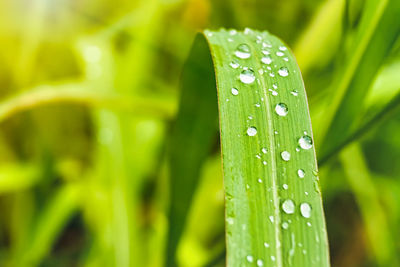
[(285, 225), (285, 155), (250, 258), (297, 149), (282, 48), (283, 72), (259, 180), (266, 59), (266, 245), (281, 109), (286, 59), (301, 173), (306, 193), (315, 172), (260, 263), (261, 71), (250, 117), (271, 218), (265, 52), (275, 132), (266, 45), (230, 220), (273, 258), (258, 156), (308, 224), (251, 131), (285, 186), (279, 54), (234, 91), (264, 150), (272, 74), (232, 32), (234, 64), (248, 31), (257, 105), (273, 92), (305, 142), (288, 206), (230, 40), (305, 210), (275, 86), (247, 76), (294, 92), (264, 162), (243, 51)]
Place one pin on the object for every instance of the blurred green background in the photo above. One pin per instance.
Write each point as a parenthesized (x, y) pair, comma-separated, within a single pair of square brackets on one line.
[(89, 92)]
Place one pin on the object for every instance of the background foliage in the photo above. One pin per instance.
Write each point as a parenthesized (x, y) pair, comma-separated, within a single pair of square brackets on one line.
[(89, 92)]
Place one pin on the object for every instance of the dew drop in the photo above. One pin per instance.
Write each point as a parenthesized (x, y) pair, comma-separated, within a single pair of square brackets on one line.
[(234, 91), (234, 64), (273, 258), (305, 142), (243, 51), (271, 218), (273, 92), (247, 76), (285, 155), (264, 150), (266, 59), (301, 173), (280, 54), (265, 52), (288, 206), (275, 85), (283, 72), (264, 162), (250, 258), (260, 262), (259, 180), (294, 92), (305, 210), (266, 245), (257, 105), (261, 71), (281, 109), (286, 59), (230, 220), (251, 131), (232, 32), (282, 48), (285, 225), (272, 74), (308, 224), (285, 186)]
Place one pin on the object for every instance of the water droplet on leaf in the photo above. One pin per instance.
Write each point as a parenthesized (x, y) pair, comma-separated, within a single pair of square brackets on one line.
[(283, 72), (247, 76), (252, 131), (281, 109), (288, 206), (305, 142), (243, 51)]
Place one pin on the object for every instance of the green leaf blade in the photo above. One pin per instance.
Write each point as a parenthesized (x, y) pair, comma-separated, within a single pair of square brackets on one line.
[(258, 183), (260, 229)]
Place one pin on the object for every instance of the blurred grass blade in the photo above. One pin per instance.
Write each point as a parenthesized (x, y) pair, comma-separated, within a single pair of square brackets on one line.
[(273, 214), (16, 177), (378, 30), (78, 94), (380, 240)]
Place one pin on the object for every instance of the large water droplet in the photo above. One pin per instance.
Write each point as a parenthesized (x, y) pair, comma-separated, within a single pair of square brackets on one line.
[(247, 76), (305, 142), (251, 131), (243, 51), (266, 59), (281, 109), (285, 155), (283, 72), (305, 210), (288, 206), (301, 173), (234, 91)]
